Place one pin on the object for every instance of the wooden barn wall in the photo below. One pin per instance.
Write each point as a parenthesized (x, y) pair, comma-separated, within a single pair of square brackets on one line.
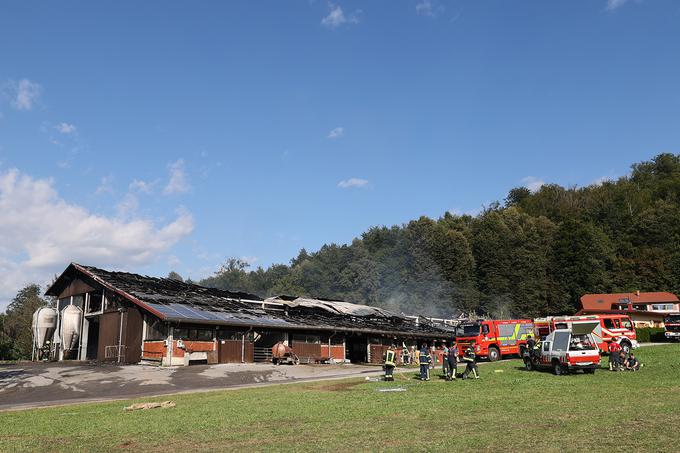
[(76, 287), (132, 335), (229, 351), (109, 325)]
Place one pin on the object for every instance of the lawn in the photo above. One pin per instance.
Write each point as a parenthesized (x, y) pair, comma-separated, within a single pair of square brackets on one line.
[(508, 409)]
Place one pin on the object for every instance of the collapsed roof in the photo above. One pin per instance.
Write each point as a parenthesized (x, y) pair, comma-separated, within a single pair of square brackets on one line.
[(181, 302)]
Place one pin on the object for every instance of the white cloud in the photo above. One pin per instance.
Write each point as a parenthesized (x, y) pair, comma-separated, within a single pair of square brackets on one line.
[(424, 8), (142, 186), (65, 128), (40, 233), (532, 183), (105, 186), (615, 4), (179, 182), (336, 17), (128, 206), (27, 93), (336, 133), (353, 182), (602, 179)]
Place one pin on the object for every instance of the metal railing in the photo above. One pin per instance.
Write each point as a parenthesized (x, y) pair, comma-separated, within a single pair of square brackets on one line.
[(116, 352), (262, 354)]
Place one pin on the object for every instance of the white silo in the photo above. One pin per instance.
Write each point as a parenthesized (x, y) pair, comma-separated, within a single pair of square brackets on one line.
[(44, 325), (71, 324)]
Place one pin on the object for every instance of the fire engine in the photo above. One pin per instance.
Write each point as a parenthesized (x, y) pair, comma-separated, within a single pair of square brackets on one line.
[(672, 327), (494, 338), (609, 326), (567, 349)]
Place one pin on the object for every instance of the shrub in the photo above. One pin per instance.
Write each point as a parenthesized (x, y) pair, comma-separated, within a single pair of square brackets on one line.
[(650, 334)]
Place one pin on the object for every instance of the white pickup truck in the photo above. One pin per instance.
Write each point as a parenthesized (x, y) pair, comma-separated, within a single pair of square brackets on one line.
[(565, 350)]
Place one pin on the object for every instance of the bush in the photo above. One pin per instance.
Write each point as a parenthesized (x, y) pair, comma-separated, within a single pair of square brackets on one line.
[(650, 334)]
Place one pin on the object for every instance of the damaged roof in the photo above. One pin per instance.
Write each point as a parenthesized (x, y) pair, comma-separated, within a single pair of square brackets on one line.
[(177, 301)]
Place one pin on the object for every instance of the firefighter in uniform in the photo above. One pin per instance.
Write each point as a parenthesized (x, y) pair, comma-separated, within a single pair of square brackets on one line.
[(451, 362), (531, 346), (471, 366), (425, 360), (390, 355)]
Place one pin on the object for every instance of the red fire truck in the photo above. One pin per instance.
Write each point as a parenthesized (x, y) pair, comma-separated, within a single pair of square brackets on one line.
[(610, 326), (494, 338), (672, 327)]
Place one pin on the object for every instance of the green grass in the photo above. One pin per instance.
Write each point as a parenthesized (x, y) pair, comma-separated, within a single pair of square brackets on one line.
[(508, 409)]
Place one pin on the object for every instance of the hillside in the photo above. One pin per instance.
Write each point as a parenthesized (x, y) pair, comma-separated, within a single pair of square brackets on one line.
[(533, 254)]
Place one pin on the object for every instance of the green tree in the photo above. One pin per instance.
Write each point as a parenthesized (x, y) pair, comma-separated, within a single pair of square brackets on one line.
[(18, 318)]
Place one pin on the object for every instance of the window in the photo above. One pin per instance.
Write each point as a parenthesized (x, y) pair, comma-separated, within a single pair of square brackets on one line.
[(193, 334), (582, 343), (95, 303), (468, 330), (608, 323), (311, 339), (79, 301), (617, 323), (626, 324), (156, 330), (63, 303), (561, 341), (662, 307)]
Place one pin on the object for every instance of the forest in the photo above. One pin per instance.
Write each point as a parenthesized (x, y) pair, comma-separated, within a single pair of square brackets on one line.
[(533, 254)]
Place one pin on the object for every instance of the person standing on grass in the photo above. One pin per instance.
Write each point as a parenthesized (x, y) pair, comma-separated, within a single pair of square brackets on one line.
[(445, 361), (452, 362), (614, 351), (470, 360), (425, 361), (390, 356)]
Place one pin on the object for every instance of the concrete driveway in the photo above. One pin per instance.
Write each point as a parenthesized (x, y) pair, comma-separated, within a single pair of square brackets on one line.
[(45, 384)]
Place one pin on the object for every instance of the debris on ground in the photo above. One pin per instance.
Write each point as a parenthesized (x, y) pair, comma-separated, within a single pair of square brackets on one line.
[(394, 389), (144, 406)]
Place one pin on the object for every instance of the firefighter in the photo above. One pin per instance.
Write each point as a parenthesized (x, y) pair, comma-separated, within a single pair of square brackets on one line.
[(451, 362), (531, 345), (425, 361), (614, 355), (445, 361), (632, 363), (471, 366), (390, 355)]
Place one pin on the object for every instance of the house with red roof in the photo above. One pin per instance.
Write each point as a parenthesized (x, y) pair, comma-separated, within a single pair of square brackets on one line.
[(645, 309)]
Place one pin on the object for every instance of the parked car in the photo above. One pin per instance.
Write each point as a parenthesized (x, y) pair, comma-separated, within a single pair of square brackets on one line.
[(567, 350)]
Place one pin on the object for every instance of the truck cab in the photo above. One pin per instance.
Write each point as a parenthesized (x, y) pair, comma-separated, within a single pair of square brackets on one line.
[(570, 349)]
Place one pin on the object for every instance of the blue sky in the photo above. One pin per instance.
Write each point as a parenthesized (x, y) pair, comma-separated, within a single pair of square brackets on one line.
[(151, 136)]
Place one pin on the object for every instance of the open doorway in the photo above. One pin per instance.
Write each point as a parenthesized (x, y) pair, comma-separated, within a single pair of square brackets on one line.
[(357, 349), (92, 338)]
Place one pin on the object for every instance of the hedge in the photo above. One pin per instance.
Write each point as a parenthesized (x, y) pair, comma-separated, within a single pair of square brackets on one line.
[(650, 334)]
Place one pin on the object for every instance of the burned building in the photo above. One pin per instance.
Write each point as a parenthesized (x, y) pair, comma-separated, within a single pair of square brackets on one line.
[(128, 318)]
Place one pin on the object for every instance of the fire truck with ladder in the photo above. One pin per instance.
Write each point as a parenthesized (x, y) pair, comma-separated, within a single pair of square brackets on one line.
[(609, 326), (494, 339)]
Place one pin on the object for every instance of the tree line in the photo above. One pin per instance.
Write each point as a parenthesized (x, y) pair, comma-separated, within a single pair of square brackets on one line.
[(533, 254)]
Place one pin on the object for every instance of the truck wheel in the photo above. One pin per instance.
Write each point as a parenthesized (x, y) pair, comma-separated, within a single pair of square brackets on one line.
[(625, 346), (557, 369), (494, 354)]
